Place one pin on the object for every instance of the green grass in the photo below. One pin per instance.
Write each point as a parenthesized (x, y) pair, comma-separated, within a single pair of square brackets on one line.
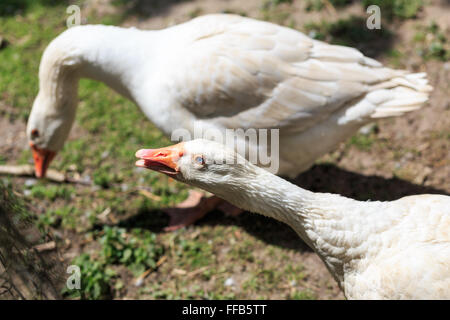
[(51, 192), (19, 61), (275, 14), (390, 9), (137, 250), (111, 125), (361, 141), (432, 43), (107, 132), (317, 5), (96, 278), (195, 254), (112, 129), (11, 7), (268, 3), (351, 31), (403, 9), (314, 5), (302, 295), (272, 11), (396, 58)]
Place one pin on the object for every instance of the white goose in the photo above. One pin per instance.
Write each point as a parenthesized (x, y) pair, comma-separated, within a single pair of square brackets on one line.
[(222, 72), (374, 250)]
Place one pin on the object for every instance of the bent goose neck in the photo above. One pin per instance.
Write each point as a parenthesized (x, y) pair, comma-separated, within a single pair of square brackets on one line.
[(337, 228), (108, 54)]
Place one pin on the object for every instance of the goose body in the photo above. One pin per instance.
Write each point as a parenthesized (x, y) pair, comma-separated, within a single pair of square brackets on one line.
[(223, 72), (374, 250)]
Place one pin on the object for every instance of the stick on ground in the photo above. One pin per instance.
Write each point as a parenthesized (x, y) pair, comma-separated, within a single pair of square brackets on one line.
[(27, 170)]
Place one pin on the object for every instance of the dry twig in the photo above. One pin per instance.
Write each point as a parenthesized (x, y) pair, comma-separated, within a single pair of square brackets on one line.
[(27, 170), (45, 246)]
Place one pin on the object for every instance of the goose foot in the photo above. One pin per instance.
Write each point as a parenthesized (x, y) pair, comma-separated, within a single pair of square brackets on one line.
[(195, 207)]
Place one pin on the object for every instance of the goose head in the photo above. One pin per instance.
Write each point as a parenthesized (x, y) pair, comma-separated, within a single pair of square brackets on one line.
[(202, 163), (47, 129)]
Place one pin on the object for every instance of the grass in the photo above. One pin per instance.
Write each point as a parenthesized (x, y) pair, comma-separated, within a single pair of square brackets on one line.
[(270, 11), (317, 5), (361, 141), (390, 9), (112, 130), (302, 295), (353, 32), (107, 132), (25, 273), (195, 254), (42, 191), (432, 43), (96, 279), (137, 250), (347, 31), (110, 125), (396, 58), (10, 7), (402, 9), (269, 3)]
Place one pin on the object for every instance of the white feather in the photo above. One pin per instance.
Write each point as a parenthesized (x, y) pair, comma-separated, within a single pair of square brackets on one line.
[(375, 250), (226, 72)]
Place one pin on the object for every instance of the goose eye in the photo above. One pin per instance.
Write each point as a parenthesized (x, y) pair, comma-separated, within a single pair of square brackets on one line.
[(34, 133), (199, 160)]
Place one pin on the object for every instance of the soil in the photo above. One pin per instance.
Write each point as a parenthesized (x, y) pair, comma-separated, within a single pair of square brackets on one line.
[(408, 155)]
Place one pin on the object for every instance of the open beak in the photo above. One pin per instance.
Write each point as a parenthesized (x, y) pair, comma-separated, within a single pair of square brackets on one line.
[(163, 160), (42, 159)]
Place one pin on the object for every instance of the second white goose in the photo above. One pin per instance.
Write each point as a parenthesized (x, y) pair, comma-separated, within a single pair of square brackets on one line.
[(222, 72), (374, 250)]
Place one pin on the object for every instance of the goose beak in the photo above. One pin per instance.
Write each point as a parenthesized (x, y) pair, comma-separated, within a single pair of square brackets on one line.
[(42, 159), (163, 160)]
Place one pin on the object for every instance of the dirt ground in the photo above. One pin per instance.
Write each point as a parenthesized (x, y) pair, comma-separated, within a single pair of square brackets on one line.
[(423, 158), (402, 156)]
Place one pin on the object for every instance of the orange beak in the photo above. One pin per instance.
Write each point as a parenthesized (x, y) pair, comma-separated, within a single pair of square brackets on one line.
[(163, 160), (42, 159)]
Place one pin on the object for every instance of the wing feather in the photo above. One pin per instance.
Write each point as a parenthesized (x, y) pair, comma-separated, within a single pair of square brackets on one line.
[(252, 74)]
